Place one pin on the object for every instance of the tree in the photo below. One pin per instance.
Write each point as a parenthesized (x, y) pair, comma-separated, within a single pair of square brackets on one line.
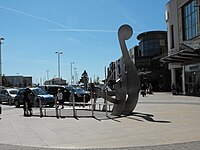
[(84, 79), (6, 82)]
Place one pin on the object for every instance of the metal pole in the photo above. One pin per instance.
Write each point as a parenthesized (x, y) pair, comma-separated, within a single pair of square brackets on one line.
[(1, 39), (106, 94), (74, 109), (75, 79), (56, 106), (18, 79), (59, 64), (47, 74), (40, 105), (71, 72), (84, 101)]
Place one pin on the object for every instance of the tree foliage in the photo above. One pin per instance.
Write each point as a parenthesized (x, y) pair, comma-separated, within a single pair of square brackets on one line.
[(6, 82), (84, 79)]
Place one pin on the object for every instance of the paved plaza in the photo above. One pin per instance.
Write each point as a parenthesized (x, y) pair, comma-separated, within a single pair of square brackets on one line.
[(160, 121)]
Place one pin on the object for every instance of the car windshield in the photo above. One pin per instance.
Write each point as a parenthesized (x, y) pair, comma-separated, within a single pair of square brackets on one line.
[(78, 90), (13, 91), (39, 91)]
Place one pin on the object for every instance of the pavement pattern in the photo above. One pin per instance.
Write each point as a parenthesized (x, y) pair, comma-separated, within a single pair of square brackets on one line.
[(160, 121)]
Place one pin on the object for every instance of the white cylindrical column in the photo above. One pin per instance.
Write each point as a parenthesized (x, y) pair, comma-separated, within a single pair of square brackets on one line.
[(183, 79), (173, 76)]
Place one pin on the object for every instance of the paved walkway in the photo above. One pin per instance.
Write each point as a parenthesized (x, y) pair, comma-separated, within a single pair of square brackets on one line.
[(160, 121)]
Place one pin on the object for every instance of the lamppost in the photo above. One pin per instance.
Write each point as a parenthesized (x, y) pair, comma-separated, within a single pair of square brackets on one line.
[(1, 39), (18, 80), (71, 72), (75, 77), (47, 74), (59, 63)]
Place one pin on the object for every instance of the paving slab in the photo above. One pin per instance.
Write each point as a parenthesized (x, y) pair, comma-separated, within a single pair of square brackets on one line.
[(160, 120)]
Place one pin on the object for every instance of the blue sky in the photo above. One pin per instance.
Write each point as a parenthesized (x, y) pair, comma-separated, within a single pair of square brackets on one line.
[(84, 30)]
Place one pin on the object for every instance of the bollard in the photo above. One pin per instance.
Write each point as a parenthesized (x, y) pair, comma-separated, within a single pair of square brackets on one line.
[(56, 106), (84, 101), (92, 103), (73, 100), (40, 105)]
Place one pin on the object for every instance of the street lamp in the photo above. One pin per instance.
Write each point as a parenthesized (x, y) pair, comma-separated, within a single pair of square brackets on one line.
[(1, 39), (59, 63), (71, 72), (18, 79), (75, 72), (47, 74)]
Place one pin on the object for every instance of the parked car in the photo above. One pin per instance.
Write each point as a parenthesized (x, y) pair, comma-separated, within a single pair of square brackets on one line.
[(35, 96), (53, 89), (7, 95), (79, 94)]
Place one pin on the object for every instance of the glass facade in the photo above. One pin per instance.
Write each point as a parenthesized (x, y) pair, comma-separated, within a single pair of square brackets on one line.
[(190, 21), (152, 47), (192, 79)]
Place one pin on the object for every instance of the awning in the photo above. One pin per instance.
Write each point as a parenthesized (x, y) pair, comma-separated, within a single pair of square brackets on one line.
[(188, 53)]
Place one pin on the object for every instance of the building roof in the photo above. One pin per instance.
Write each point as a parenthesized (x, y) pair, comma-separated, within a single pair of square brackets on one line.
[(150, 33)]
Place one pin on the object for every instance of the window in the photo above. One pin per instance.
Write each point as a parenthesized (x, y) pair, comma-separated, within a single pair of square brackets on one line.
[(190, 21), (172, 36)]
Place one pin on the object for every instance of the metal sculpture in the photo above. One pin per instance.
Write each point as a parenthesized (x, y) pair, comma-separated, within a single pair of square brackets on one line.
[(130, 80), (127, 86)]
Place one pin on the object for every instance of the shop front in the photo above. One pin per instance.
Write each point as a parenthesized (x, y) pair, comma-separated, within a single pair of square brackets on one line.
[(192, 79)]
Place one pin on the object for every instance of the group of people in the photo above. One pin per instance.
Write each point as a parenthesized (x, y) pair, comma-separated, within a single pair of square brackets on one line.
[(146, 89), (27, 104)]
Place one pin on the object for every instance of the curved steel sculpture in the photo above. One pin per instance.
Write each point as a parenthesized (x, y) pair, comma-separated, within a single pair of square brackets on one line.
[(127, 87), (129, 77)]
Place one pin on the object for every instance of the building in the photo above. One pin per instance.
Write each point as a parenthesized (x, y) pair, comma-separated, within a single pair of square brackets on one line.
[(152, 47), (117, 67), (19, 81), (55, 81), (183, 34)]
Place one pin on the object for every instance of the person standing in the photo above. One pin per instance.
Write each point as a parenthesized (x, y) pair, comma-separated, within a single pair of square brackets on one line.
[(173, 87), (60, 98), (27, 103), (150, 89), (143, 89)]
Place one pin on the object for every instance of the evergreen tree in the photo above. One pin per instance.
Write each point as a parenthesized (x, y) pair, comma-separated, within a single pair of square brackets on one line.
[(84, 79)]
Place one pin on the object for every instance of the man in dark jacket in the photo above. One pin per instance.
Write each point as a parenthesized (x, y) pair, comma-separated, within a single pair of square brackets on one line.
[(27, 102)]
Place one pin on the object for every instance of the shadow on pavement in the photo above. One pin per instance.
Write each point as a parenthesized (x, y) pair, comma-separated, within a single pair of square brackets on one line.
[(148, 117)]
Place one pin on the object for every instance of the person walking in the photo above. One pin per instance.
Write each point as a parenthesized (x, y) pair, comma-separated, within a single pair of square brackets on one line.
[(143, 89), (60, 98), (27, 103)]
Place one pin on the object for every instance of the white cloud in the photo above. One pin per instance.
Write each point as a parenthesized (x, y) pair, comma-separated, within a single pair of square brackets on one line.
[(83, 30), (33, 16)]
